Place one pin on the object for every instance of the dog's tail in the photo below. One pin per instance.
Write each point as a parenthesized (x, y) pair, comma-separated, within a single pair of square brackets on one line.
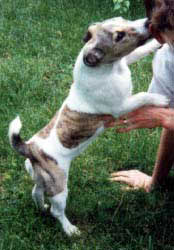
[(16, 141)]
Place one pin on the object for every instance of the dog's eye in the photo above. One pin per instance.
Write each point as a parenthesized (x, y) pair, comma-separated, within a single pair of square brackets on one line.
[(120, 36), (87, 37)]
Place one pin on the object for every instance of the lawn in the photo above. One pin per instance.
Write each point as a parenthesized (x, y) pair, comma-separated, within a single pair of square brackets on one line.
[(39, 42)]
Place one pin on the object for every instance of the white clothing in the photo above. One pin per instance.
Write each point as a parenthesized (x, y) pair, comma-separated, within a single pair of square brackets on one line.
[(163, 73)]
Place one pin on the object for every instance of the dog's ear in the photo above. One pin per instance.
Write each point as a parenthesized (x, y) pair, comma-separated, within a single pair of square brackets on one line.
[(87, 37)]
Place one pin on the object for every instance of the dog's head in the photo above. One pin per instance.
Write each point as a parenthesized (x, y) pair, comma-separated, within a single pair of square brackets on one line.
[(107, 41)]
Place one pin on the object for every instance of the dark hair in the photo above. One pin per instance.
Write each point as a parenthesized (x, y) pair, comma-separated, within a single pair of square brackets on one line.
[(161, 14)]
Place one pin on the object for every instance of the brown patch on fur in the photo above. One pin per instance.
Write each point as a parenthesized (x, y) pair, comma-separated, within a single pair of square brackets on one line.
[(74, 127), (47, 172), (44, 133)]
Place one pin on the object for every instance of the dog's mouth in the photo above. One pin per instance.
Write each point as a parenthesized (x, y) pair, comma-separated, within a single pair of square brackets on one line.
[(90, 61), (93, 58), (144, 40)]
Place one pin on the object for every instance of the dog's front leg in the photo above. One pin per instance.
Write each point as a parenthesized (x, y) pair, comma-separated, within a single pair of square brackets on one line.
[(142, 51), (138, 100)]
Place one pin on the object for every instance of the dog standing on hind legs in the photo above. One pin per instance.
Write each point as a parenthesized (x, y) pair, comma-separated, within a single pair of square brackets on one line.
[(102, 85)]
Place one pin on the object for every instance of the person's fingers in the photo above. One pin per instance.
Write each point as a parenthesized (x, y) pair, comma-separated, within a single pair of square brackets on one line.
[(132, 120), (138, 123), (133, 178), (121, 173), (127, 129), (127, 173), (126, 177), (110, 124), (142, 111), (122, 179), (131, 114), (119, 122), (106, 118)]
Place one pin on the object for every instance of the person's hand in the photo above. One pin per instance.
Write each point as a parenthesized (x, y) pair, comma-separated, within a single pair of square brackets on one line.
[(133, 178), (146, 117), (108, 120)]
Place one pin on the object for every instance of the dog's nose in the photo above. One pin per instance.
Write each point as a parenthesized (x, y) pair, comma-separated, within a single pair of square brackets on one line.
[(93, 58), (90, 60)]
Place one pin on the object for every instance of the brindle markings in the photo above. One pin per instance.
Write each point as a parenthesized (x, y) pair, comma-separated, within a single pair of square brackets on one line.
[(74, 127), (47, 172), (44, 132)]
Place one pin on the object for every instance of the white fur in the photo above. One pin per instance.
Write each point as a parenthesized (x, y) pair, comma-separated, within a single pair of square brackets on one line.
[(15, 127), (58, 211), (106, 89)]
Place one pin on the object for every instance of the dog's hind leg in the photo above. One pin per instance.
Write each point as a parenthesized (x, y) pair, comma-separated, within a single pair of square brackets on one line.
[(38, 197), (29, 168), (54, 177), (37, 192), (58, 205)]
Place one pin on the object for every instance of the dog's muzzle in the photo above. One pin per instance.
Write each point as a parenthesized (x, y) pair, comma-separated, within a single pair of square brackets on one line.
[(144, 40), (93, 57), (149, 36)]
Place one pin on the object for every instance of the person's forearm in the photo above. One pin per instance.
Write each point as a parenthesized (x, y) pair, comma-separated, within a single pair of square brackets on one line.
[(167, 118), (165, 157)]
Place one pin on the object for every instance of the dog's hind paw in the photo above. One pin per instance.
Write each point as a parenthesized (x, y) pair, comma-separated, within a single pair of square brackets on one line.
[(72, 230)]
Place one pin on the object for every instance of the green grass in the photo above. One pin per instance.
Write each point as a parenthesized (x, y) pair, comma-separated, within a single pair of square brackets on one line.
[(39, 41)]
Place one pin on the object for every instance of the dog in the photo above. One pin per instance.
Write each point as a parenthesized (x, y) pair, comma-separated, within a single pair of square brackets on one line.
[(102, 85)]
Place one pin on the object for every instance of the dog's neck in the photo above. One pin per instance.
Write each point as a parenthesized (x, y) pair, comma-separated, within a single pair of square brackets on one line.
[(93, 86)]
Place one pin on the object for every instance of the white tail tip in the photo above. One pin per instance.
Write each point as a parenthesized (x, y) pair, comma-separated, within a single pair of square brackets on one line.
[(15, 127)]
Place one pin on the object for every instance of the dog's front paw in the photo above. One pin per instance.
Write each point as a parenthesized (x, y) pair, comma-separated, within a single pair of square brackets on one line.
[(154, 45), (71, 230), (159, 100)]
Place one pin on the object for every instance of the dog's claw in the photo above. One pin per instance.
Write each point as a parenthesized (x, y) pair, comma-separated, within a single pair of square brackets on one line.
[(46, 206)]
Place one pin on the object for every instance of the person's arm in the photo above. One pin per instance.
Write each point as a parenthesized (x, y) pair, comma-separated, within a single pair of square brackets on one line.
[(145, 117), (165, 157)]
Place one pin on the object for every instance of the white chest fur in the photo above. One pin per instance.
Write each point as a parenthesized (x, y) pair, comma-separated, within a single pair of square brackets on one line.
[(100, 89)]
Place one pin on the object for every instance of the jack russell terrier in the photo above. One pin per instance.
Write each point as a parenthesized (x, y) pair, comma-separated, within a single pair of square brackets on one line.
[(102, 85)]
